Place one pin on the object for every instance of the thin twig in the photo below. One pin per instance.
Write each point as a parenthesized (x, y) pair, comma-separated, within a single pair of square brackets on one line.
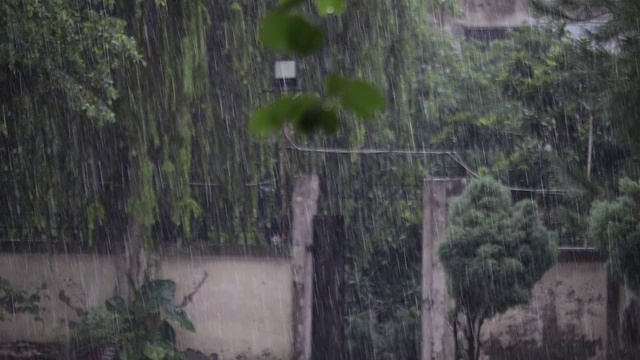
[(189, 297)]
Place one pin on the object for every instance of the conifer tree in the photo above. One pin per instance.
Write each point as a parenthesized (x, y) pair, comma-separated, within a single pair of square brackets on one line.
[(493, 254)]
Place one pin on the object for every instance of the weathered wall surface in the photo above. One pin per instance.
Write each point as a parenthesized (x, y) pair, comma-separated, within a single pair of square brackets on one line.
[(242, 309), (496, 13), (566, 318), (67, 285)]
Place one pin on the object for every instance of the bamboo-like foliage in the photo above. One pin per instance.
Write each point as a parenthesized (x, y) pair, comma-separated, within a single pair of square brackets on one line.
[(157, 110)]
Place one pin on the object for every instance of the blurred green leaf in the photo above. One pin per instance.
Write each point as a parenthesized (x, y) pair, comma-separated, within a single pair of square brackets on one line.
[(330, 7), (274, 30), (329, 121), (116, 305), (305, 112), (315, 118), (269, 119), (303, 37), (302, 104), (164, 290), (154, 351), (165, 333), (177, 314), (356, 95), (292, 34), (263, 123), (153, 295)]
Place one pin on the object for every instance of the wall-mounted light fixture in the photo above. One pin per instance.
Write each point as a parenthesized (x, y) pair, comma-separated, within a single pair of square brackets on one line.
[(285, 75)]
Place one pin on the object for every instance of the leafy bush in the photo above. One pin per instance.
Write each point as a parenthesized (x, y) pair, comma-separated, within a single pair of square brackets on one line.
[(615, 226), (14, 301), (94, 330), (145, 328)]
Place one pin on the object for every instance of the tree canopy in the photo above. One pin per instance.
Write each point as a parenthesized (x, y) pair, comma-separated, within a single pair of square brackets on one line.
[(57, 63), (615, 226), (493, 254)]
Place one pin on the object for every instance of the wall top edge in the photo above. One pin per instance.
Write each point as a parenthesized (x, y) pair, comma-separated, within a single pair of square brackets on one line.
[(580, 254), (430, 179), (75, 248)]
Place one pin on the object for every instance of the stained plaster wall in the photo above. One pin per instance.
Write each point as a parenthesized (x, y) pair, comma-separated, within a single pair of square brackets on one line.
[(497, 13), (243, 308), (565, 319), (68, 285)]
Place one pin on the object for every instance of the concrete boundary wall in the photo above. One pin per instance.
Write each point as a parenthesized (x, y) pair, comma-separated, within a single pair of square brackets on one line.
[(243, 308), (256, 303)]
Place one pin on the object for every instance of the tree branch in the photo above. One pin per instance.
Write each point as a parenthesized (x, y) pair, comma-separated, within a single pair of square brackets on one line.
[(189, 297)]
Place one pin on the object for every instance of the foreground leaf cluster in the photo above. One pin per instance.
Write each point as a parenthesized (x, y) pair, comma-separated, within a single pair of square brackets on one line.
[(147, 332), (285, 31)]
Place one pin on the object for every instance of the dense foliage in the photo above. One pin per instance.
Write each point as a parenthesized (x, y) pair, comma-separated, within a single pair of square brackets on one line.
[(617, 36), (615, 226), (85, 106), (493, 254), (145, 328), (56, 74)]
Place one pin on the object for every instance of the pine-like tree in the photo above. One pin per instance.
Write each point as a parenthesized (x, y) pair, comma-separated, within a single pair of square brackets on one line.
[(615, 226), (494, 253)]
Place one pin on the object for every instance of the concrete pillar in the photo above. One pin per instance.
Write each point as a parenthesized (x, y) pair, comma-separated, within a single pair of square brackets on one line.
[(437, 335), (305, 207)]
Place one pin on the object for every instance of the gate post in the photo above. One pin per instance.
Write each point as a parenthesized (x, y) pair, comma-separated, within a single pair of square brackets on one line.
[(328, 287), (437, 338), (305, 207)]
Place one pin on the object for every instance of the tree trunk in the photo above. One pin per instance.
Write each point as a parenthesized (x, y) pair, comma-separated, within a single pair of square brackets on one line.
[(132, 264), (477, 338), (472, 335), (456, 346), (471, 348)]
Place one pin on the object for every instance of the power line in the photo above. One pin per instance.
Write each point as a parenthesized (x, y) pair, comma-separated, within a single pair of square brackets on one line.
[(293, 146), (451, 153)]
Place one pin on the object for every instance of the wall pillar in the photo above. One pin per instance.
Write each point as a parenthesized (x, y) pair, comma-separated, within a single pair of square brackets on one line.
[(305, 207), (437, 334)]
